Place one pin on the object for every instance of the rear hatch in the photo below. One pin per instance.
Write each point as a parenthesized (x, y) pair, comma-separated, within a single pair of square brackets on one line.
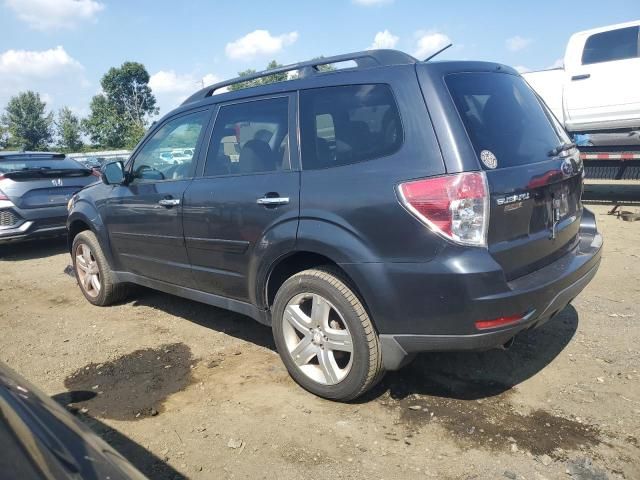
[(534, 174), (36, 181)]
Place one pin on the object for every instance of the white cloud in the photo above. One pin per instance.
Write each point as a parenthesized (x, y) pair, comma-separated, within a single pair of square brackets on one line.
[(384, 39), (559, 63), (371, 3), (171, 88), (33, 63), (259, 42), (51, 14), (56, 75), (429, 43), (517, 43), (522, 69)]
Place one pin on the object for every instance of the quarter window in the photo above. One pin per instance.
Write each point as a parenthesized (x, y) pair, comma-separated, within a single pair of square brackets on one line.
[(169, 153), (612, 45), (250, 137), (348, 124)]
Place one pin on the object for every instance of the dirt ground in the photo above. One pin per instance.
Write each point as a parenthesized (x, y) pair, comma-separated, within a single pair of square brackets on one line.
[(187, 390)]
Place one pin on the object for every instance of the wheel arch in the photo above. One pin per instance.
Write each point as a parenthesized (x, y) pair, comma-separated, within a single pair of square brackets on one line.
[(298, 261)]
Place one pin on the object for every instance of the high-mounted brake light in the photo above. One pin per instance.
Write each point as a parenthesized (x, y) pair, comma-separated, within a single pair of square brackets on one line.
[(455, 206)]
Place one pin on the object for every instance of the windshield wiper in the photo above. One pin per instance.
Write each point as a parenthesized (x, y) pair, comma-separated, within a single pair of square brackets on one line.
[(561, 148)]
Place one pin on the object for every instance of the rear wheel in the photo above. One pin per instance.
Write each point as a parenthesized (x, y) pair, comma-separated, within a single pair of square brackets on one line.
[(93, 272), (324, 335)]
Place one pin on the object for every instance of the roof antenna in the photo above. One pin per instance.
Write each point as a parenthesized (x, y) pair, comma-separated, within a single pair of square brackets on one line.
[(438, 52)]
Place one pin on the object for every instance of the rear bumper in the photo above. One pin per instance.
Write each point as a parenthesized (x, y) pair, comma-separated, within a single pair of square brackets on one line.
[(34, 223), (397, 349), (433, 306)]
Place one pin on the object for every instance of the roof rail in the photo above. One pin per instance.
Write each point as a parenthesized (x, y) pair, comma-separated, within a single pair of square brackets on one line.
[(364, 59)]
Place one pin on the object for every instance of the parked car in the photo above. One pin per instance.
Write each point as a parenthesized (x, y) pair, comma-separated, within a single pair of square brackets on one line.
[(597, 90), (34, 190), (40, 440), (427, 207)]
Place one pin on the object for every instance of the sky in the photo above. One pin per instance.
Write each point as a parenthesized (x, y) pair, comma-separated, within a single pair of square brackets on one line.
[(61, 48)]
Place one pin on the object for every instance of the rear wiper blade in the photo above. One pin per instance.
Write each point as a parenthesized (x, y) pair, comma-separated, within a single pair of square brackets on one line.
[(561, 148)]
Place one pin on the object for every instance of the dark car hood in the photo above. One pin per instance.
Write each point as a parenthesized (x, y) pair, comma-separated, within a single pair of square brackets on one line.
[(41, 440)]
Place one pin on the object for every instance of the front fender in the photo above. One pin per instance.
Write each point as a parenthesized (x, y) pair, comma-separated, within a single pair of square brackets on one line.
[(85, 212)]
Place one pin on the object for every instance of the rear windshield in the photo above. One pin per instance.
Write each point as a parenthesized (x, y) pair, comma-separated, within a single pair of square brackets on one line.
[(503, 116), (23, 164)]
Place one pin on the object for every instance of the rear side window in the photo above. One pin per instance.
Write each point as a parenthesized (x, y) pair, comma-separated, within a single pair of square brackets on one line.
[(613, 45), (250, 137), (348, 124), (504, 117)]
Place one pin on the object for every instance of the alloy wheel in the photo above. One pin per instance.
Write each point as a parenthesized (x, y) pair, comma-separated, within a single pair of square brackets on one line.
[(87, 270), (317, 338)]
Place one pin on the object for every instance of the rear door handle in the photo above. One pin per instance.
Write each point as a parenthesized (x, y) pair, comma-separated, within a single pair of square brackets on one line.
[(169, 202), (272, 201), (584, 76)]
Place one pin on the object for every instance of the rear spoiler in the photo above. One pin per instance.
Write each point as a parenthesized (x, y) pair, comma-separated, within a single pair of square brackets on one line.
[(31, 155)]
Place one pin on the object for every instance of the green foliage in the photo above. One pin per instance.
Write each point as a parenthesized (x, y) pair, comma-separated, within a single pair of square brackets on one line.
[(119, 116), (69, 131), (4, 136), (27, 123), (127, 88), (276, 77), (103, 125)]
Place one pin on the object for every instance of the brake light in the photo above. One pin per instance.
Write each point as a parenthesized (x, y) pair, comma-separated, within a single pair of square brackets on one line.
[(498, 322), (455, 206)]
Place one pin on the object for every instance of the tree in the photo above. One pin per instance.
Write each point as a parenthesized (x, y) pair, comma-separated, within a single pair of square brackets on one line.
[(28, 124), (103, 125), (69, 130), (120, 114), (128, 89), (276, 77)]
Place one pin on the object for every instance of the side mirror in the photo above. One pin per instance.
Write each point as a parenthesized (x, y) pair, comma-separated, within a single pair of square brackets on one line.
[(113, 173)]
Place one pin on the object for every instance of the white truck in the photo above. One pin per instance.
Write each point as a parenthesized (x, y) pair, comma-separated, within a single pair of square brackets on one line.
[(596, 96), (599, 87)]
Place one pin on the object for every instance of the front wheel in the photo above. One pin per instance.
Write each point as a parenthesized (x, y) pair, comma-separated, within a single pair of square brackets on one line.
[(93, 271), (325, 336)]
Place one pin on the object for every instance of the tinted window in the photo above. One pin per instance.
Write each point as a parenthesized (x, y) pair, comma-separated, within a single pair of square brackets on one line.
[(502, 115), (250, 137), (162, 157), (613, 45), (348, 124), (17, 163)]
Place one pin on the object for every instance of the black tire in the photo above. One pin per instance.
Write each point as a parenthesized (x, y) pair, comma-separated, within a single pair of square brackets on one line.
[(110, 291), (366, 357)]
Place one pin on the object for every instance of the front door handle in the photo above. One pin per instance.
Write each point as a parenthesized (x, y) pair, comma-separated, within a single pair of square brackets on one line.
[(169, 202), (272, 201), (584, 76)]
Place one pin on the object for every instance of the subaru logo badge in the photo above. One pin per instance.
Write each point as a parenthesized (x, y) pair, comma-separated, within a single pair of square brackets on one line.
[(567, 167), (489, 159), (57, 182)]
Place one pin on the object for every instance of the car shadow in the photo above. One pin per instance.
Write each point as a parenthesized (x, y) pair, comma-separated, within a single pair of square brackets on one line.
[(478, 375), (141, 458), (33, 249), (456, 375), (220, 320)]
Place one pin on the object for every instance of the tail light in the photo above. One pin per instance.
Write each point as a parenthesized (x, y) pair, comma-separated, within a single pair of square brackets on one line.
[(454, 206), (2, 194)]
